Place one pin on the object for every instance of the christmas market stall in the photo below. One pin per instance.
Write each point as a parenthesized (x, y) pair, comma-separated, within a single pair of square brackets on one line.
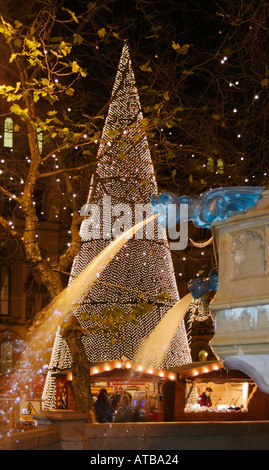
[(232, 395)]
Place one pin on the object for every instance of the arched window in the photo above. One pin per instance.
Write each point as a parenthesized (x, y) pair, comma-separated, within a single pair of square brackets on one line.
[(6, 356), (8, 133), (40, 139), (4, 289)]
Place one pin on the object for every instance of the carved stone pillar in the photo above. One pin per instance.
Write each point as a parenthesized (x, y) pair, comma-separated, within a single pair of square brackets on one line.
[(241, 303)]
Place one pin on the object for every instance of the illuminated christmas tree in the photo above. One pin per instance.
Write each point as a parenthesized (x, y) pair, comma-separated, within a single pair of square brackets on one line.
[(123, 180)]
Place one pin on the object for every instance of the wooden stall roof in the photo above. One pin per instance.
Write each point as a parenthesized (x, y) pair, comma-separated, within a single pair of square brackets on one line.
[(208, 369), (126, 367)]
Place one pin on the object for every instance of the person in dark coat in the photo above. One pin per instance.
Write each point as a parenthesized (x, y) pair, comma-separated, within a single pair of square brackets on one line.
[(102, 409), (204, 399)]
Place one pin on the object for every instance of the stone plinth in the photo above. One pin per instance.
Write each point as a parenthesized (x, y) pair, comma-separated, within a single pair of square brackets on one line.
[(241, 303), (70, 425), (44, 438), (178, 436), (146, 437)]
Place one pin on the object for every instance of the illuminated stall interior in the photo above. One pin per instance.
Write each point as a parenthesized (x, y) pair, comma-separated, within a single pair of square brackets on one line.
[(144, 384), (225, 396), (234, 396)]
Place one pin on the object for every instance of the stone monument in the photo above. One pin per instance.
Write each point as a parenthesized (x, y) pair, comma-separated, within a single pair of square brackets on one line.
[(241, 304)]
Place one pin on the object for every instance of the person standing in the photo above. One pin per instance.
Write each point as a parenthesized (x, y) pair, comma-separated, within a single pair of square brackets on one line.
[(124, 411), (102, 408), (205, 398)]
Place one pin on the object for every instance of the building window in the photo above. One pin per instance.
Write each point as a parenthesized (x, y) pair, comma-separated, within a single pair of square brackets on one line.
[(4, 289), (6, 356), (40, 139), (8, 133)]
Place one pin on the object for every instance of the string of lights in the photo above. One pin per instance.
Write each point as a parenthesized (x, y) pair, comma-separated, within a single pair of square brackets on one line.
[(143, 264)]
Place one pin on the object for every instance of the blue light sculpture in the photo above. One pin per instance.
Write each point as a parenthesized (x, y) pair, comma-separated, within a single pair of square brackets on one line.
[(211, 206)]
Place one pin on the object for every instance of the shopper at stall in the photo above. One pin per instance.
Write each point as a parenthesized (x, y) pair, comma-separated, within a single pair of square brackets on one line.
[(204, 399), (102, 408), (115, 399), (124, 411)]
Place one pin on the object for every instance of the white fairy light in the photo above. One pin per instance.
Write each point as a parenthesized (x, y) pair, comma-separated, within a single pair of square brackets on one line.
[(127, 268)]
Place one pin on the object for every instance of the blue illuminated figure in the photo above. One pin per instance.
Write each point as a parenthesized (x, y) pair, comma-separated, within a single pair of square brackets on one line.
[(211, 206), (199, 287)]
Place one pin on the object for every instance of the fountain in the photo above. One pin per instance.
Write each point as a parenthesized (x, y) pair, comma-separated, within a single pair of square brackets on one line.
[(40, 337), (35, 356), (160, 338), (242, 312), (238, 218)]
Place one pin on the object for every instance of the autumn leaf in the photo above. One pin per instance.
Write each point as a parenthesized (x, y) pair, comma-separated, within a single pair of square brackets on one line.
[(180, 49), (71, 13), (102, 32), (145, 67), (166, 95)]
